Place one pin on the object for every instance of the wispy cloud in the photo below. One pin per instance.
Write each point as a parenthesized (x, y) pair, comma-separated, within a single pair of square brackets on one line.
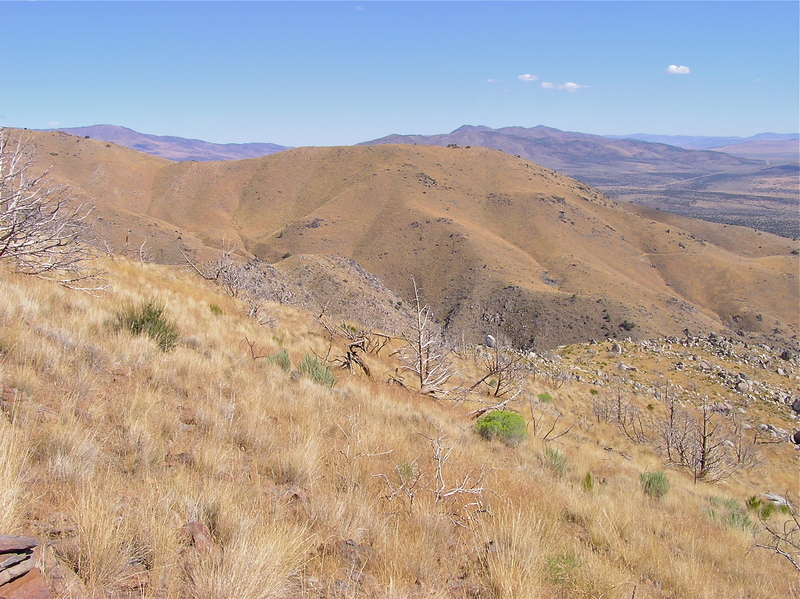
[(527, 77), (52, 124), (568, 86), (675, 69), (492, 80)]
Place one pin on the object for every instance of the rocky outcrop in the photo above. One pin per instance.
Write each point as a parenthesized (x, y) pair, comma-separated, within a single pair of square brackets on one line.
[(19, 579)]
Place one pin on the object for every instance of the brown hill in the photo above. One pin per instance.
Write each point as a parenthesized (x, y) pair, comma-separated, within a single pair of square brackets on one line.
[(495, 242), (658, 175)]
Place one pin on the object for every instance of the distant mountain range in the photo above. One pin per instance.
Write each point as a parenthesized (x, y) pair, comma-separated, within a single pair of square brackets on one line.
[(178, 149)]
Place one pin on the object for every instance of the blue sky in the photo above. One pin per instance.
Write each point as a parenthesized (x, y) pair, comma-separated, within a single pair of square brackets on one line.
[(329, 73)]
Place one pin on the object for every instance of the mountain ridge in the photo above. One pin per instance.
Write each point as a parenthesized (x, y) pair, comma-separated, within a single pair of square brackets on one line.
[(495, 242), (704, 184)]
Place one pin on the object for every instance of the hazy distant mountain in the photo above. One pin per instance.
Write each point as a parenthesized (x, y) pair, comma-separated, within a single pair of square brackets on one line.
[(173, 148), (704, 184), (773, 147), (700, 142)]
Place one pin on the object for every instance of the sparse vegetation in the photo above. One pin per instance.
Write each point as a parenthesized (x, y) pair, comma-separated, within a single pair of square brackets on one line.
[(281, 359), (729, 512), (314, 369), (555, 460), (115, 447)]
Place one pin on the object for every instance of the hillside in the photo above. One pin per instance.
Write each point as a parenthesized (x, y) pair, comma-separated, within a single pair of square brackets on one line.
[(215, 462), (652, 174), (494, 241)]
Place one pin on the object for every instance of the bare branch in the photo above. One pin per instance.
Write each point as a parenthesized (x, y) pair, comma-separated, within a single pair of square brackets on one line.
[(44, 231)]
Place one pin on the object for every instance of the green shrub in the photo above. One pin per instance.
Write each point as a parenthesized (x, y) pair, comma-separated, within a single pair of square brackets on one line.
[(729, 512), (281, 358), (149, 319), (312, 368), (215, 309), (654, 484), (545, 397), (588, 482), (628, 326), (555, 460), (508, 427)]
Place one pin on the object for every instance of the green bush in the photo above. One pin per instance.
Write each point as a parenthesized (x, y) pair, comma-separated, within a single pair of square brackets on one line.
[(149, 319), (654, 484), (508, 427), (312, 368), (545, 397), (281, 359), (588, 482), (215, 309)]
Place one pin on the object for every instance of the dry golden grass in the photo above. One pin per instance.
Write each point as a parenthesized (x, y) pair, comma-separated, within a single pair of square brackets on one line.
[(109, 446)]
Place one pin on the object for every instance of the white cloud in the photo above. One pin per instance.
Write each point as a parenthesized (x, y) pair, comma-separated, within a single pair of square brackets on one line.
[(569, 86), (675, 69), (52, 124), (492, 80), (527, 77)]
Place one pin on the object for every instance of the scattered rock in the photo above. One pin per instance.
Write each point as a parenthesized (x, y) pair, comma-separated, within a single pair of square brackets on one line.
[(722, 407), (796, 437), (743, 387), (796, 405), (356, 554)]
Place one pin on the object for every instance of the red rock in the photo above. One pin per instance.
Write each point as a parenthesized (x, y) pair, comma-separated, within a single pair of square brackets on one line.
[(28, 586), (10, 544), (201, 536)]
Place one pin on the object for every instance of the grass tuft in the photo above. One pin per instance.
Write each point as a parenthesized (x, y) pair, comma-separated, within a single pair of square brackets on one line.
[(150, 320), (654, 484), (311, 367)]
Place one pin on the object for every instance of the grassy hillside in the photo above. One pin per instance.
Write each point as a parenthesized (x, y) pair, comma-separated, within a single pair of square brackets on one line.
[(110, 446), (494, 241)]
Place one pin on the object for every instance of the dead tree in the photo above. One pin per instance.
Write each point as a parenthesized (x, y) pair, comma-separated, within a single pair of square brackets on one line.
[(503, 371), (424, 354), (225, 271), (44, 230)]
